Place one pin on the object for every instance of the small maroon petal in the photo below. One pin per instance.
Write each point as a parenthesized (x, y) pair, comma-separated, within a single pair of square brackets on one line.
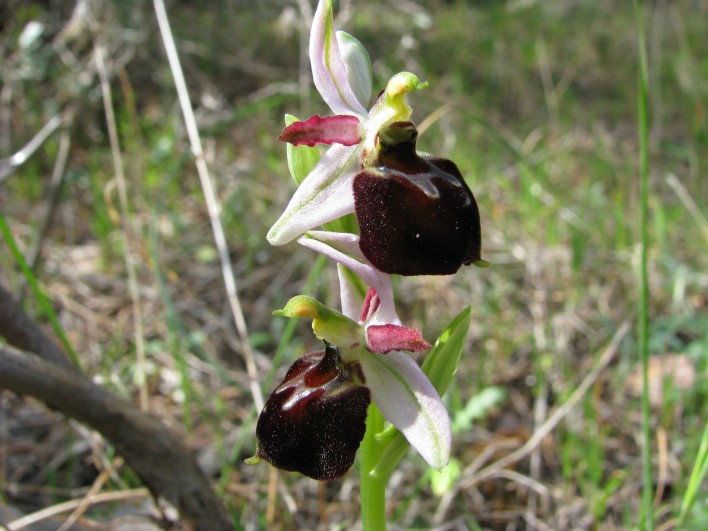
[(315, 420), (385, 338), (416, 215), (340, 129)]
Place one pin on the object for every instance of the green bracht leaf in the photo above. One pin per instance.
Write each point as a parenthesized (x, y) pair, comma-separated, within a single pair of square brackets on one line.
[(441, 363)]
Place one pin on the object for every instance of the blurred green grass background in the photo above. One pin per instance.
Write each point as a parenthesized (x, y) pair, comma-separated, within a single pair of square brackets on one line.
[(535, 102)]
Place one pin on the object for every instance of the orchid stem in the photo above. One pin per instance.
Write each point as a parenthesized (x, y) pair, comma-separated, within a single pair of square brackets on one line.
[(373, 489)]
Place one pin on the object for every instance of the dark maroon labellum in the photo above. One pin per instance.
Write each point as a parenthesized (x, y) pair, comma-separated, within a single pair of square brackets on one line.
[(416, 215), (315, 420)]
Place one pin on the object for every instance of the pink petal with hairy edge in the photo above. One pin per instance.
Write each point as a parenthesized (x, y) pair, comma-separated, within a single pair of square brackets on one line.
[(343, 248), (340, 129), (324, 195), (382, 339), (409, 401), (328, 69)]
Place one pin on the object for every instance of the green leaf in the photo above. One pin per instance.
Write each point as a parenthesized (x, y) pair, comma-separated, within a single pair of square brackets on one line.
[(344, 224), (441, 363), (301, 159), (394, 452), (42, 300), (700, 467)]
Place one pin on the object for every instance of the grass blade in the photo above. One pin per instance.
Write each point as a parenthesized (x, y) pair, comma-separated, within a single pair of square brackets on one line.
[(643, 303), (700, 468), (38, 293)]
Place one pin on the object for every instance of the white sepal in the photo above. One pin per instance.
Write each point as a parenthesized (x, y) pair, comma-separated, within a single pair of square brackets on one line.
[(408, 400), (328, 69), (325, 194)]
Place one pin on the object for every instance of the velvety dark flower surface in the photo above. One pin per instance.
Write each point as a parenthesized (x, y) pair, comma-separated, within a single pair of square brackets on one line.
[(314, 421), (416, 215)]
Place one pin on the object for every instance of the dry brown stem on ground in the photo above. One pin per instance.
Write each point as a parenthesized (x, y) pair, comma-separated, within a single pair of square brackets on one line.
[(156, 452)]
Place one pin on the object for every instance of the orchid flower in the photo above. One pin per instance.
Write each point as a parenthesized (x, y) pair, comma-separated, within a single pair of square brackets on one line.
[(416, 215), (314, 421)]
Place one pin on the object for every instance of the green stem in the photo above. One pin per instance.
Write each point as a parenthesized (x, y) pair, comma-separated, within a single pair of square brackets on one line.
[(373, 489), (643, 307)]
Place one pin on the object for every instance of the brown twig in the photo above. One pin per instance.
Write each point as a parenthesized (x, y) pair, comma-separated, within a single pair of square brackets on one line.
[(60, 508), (9, 165), (19, 330), (156, 453)]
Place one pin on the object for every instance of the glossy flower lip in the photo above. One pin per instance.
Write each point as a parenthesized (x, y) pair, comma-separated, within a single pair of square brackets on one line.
[(314, 421), (416, 214)]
